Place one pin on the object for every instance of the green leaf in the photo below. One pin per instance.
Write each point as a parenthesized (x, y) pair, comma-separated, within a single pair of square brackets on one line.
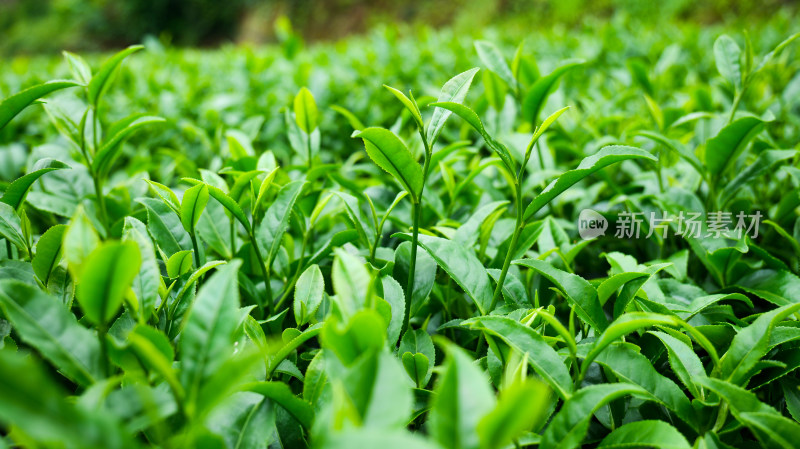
[(727, 56), (308, 294), (48, 252), (418, 342), (207, 339), (751, 344), (78, 67), (536, 97), (463, 267), (283, 396), (147, 281), (425, 276), (179, 263), (192, 205), (542, 128), (463, 397), (624, 325), (394, 296), (276, 220), (166, 194), (153, 349), (165, 227), (106, 278), (37, 408), (771, 55), (45, 324), (208, 266), (13, 105), (723, 149), (569, 426), (453, 91), (632, 367), (542, 357), (589, 165), (520, 407), (684, 362), (776, 286), (391, 154), (410, 105), (656, 434), (579, 292), (80, 240), (102, 79), (110, 148), (15, 193), (364, 333), (351, 118), (416, 365), (676, 147), (305, 111), (763, 163), (469, 116), (769, 426), (229, 204), (494, 60), (11, 227)]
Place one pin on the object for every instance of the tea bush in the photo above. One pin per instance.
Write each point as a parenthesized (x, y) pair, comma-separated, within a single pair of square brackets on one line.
[(577, 240)]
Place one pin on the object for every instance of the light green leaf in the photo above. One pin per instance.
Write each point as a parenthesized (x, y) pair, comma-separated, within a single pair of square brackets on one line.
[(14, 104), (14, 195), (11, 227), (80, 240), (463, 397), (578, 291), (723, 149), (48, 252), (207, 339), (276, 220), (656, 434), (494, 60), (192, 205), (391, 154), (520, 407), (102, 79), (727, 56), (542, 357), (589, 165), (410, 105), (106, 278), (463, 267), (305, 111), (280, 393), (308, 294), (110, 148), (147, 281), (165, 227), (418, 342), (453, 91), (624, 325), (469, 116), (536, 97)]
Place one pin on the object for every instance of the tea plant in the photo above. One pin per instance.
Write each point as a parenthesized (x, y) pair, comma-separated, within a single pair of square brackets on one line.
[(260, 269)]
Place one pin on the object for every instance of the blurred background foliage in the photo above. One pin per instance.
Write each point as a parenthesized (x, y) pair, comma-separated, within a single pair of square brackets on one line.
[(48, 26)]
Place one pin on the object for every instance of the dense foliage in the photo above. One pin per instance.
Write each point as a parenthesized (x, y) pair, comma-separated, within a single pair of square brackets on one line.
[(249, 249)]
